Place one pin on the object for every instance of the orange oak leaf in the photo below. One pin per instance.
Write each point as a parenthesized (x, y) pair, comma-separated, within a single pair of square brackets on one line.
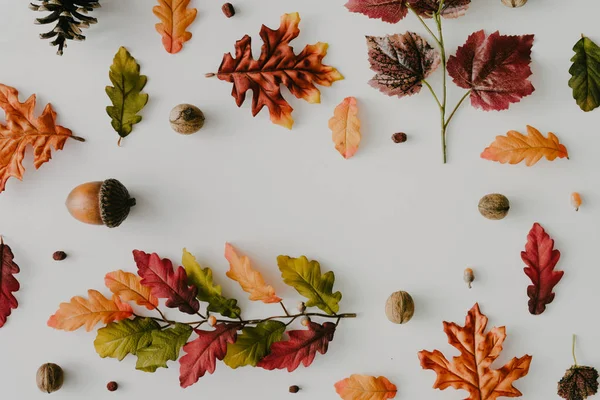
[(516, 147), (129, 288), (22, 129), (80, 311), (250, 280), (363, 387), (471, 370), (175, 18), (277, 65), (345, 126)]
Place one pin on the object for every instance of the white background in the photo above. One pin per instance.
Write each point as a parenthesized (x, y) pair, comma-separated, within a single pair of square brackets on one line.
[(391, 218)]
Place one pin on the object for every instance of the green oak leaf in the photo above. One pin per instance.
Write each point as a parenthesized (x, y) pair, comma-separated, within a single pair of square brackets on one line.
[(126, 97), (208, 292), (585, 74), (305, 276), (166, 345), (129, 336), (253, 344)]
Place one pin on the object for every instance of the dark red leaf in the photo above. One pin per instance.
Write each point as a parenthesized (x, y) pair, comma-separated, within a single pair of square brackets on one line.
[(541, 258), (495, 69), (203, 353), (390, 11), (158, 275), (8, 283), (302, 347), (450, 9)]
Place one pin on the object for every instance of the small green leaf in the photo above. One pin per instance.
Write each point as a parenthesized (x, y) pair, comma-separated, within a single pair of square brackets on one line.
[(585, 74), (208, 292), (129, 336), (166, 345), (125, 95), (305, 276), (253, 344)]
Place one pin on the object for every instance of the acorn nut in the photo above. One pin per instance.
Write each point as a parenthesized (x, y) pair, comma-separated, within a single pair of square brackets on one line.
[(494, 206), (186, 119), (100, 203), (514, 3), (400, 307), (49, 378)]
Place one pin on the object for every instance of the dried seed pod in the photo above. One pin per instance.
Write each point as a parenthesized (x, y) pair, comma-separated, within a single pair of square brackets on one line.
[(399, 137), (186, 119), (50, 378), (514, 3), (59, 255), (576, 200), (400, 307), (469, 277), (494, 206)]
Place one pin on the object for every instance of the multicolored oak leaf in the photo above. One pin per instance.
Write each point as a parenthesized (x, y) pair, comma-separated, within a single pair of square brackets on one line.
[(401, 62), (175, 17), (391, 11), (541, 259), (364, 387), (8, 282), (165, 346), (301, 348), (118, 339), (277, 65), (450, 8), (23, 129), (495, 69), (516, 147), (345, 127), (253, 344), (471, 370), (129, 288), (585, 74)]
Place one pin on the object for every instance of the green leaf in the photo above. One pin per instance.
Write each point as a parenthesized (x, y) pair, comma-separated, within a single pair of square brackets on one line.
[(129, 336), (208, 292), (585, 72), (253, 344), (305, 276), (125, 95), (166, 345)]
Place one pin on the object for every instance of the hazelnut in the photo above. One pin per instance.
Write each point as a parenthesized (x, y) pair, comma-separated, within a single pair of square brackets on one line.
[(186, 119), (400, 307)]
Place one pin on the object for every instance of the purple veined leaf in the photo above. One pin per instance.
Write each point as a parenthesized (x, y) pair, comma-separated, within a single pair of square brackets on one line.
[(450, 9), (391, 11)]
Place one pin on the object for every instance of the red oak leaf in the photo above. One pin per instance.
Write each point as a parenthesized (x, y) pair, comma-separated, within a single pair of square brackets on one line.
[(165, 283), (391, 11), (541, 258), (8, 283), (495, 69), (203, 353), (450, 9), (302, 347)]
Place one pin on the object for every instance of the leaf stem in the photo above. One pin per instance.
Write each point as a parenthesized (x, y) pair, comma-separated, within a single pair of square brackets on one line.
[(79, 139), (437, 100), (424, 23), (284, 309), (438, 22), (573, 349), (457, 107)]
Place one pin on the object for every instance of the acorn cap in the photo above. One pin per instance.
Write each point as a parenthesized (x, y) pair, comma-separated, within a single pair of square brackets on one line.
[(115, 203)]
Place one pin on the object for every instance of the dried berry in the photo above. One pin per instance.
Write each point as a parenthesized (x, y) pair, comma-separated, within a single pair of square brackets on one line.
[(301, 307), (514, 3), (399, 137), (294, 389), (186, 119), (112, 386), (494, 206), (400, 307), (59, 255), (576, 200), (469, 276), (212, 321), (228, 10), (50, 378)]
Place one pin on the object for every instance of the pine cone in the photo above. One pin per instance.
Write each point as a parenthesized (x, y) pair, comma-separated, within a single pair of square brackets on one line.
[(578, 383), (69, 17)]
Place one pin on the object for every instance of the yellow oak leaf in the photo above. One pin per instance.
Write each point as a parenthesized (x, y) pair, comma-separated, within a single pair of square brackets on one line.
[(129, 288), (345, 126), (363, 387), (175, 18)]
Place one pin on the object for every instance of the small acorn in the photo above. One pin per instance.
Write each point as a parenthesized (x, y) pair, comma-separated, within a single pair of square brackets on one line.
[(186, 119), (100, 203), (49, 378), (514, 3), (400, 307), (494, 206), (469, 277)]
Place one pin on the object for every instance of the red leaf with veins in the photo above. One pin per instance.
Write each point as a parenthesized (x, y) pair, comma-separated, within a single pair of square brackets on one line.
[(302, 347), (8, 283), (164, 283), (495, 69), (203, 353), (451, 8), (541, 258), (391, 11)]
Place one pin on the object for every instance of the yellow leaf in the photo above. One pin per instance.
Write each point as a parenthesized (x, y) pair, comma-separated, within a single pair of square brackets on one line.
[(250, 280), (363, 387), (516, 147), (175, 18), (80, 311), (128, 287), (345, 126)]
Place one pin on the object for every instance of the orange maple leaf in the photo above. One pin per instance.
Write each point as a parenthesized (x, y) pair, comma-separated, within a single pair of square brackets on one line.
[(80, 311), (129, 288), (345, 126), (471, 370), (23, 129), (250, 280), (363, 387), (516, 147), (277, 65), (176, 17)]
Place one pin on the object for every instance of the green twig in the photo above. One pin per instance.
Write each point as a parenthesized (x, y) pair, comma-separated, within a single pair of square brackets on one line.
[(573, 349)]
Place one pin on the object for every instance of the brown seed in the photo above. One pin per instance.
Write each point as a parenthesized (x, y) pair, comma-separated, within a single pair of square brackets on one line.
[(49, 378), (399, 137), (228, 10), (400, 307), (59, 255), (294, 389), (186, 119), (469, 277), (494, 206), (112, 386)]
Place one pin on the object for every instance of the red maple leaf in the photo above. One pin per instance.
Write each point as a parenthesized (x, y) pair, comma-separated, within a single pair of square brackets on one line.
[(203, 353), (302, 347), (541, 259), (391, 11), (495, 69), (8, 283), (165, 283)]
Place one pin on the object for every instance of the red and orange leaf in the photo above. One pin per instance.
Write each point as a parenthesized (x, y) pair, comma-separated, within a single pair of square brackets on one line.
[(8, 283), (250, 280), (363, 387), (176, 17), (302, 347), (471, 370), (80, 311), (541, 259), (345, 127), (516, 147), (203, 353), (391, 11), (129, 288), (23, 129), (277, 65)]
